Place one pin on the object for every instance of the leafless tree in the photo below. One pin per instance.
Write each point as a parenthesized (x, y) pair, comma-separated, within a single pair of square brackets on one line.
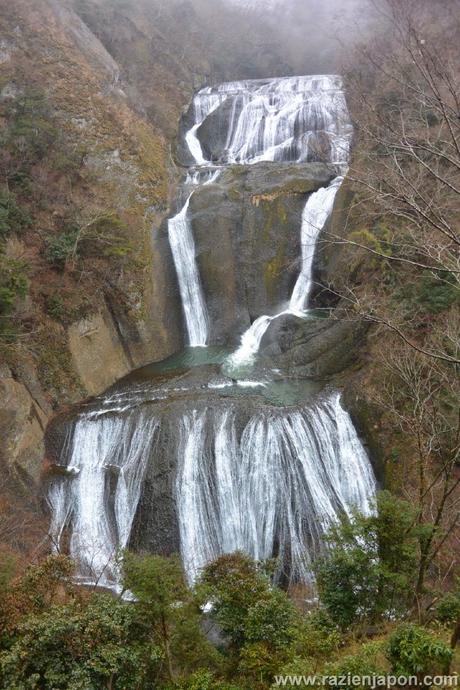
[(420, 398), (403, 92)]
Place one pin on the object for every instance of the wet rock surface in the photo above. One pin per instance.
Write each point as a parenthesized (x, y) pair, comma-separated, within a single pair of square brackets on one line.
[(246, 230), (313, 347)]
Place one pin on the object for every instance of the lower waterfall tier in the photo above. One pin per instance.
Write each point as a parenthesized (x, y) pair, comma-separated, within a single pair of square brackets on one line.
[(190, 462)]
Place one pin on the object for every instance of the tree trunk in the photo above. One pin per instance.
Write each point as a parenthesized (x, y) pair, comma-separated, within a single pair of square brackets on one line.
[(167, 649), (455, 635)]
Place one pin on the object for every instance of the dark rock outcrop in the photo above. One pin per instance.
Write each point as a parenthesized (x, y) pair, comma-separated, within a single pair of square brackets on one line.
[(247, 233), (314, 348)]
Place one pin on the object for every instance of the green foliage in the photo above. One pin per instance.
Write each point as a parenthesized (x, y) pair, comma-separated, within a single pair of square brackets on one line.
[(105, 235), (271, 620), (13, 283), (13, 218), (448, 608), (14, 286), (55, 307), (436, 293), (368, 571), (32, 594), (75, 647), (31, 135), (233, 583), (429, 293), (413, 650), (39, 582), (157, 583), (261, 623), (167, 614), (65, 306), (56, 637), (205, 680), (60, 248), (318, 637), (368, 661), (31, 128)]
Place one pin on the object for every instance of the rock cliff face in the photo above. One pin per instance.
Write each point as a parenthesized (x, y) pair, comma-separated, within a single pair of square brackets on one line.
[(114, 85), (248, 253), (104, 84), (23, 420), (97, 314)]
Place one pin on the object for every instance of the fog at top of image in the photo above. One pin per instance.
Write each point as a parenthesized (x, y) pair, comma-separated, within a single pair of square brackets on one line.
[(244, 39)]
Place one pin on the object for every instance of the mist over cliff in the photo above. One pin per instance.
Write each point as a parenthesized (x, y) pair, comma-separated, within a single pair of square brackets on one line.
[(311, 36)]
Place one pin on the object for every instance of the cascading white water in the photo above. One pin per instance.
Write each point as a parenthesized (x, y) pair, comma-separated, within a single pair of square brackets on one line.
[(183, 251), (263, 120), (101, 447), (315, 214), (305, 105), (275, 120), (275, 489), (269, 481)]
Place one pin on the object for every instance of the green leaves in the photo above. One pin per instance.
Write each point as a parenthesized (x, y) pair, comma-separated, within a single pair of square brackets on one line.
[(233, 583), (75, 647), (368, 571), (14, 287), (413, 650), (60, 248), (13, 218)]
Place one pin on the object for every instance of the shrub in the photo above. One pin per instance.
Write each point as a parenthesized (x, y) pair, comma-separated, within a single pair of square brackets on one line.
[(167, 614), (437, 293), (413, 650), (319, 636), (272, 620), (32, 131), (367, 572), (205, 680), (431, 293), (368, 661), (55, 307), (448, 608), (13, 288), (233, 583), (13, 218), (74, 646), (60, 248)]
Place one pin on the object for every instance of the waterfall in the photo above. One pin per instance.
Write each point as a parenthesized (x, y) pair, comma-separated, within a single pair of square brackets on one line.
[(103, 449), (274, 120), (315, 214), (275, 489), (262, 120), (250, 341), (271, 484), (278, 121), (183, 251), (243, 473)]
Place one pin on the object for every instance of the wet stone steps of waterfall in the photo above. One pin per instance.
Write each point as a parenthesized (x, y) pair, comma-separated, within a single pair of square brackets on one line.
[(223, 447)]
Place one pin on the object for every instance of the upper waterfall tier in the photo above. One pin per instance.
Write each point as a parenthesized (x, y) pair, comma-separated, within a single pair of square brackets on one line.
[(293, 119)]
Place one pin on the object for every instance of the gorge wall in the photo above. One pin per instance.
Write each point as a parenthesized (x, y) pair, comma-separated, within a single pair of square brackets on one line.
[(104, 85), (114, 87)]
